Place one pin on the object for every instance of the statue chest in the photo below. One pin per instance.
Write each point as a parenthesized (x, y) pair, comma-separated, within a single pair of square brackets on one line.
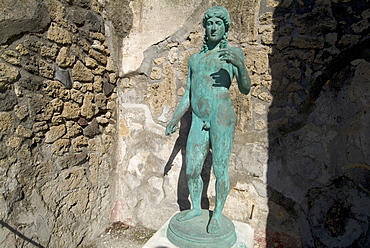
[(209, 63)]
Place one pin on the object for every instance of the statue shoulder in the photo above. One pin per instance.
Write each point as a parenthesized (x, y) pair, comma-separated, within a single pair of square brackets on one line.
[(193, 58)]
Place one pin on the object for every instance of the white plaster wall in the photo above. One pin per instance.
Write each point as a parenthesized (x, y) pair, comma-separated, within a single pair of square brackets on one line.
[(153, 22)]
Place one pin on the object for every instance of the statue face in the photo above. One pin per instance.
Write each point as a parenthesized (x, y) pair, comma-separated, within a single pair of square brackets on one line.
[(215, 29)]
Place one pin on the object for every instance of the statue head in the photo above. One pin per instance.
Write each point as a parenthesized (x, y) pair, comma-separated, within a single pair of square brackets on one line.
[(212, 14), (220, 12)]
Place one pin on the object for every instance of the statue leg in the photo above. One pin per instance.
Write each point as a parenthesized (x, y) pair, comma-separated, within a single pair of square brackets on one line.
[(197, 148), (222, 137)]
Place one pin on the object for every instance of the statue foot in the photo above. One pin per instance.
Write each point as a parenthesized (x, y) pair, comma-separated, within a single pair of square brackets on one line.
[(187, 215), (214, 225)]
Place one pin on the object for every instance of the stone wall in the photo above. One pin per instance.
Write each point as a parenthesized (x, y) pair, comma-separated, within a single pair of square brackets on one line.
[(57, 121), (319, 49)]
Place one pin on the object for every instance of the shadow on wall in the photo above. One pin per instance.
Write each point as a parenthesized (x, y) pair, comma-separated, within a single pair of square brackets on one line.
[(319, 150)]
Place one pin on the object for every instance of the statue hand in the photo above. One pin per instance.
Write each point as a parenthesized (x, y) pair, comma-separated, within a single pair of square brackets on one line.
[(230, 56), (171, 127)]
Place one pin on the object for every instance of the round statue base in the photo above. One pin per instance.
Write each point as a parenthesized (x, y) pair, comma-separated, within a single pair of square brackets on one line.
[(193, 232)]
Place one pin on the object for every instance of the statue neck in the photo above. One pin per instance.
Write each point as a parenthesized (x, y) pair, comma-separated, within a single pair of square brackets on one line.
[(212, 46)]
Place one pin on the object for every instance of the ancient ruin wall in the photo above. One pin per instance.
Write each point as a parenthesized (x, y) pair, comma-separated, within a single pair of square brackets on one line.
[(57, 121)]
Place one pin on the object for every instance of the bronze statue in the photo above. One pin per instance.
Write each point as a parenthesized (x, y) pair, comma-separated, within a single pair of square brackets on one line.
[(210, 75)]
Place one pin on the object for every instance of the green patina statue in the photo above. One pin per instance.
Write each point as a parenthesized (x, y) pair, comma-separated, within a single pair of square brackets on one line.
[(210, 74)]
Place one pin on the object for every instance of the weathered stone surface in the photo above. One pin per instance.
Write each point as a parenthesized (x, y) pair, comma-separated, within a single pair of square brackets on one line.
[(101, 58), (97, 45), (22, 17), (305, 41), (87, 87), (98, 84), (53, 88), (315, 21), (113, 78), (74, 159), (55, 133), (24, 132), (21, 111), (14, 142), (110, 65), (59, 34), (107, 87), (88, 109), (94, 22), (65, 58), (156, 73), (102, 120), (50, 50), (73, 129), (71, 110), (11, 57), (77, 96), (45, 69), (8, 100), (99, 70), (81, 73), (349, 39), (77, 16), (77, 51), (39, 127), (61, 146), (6, 121), (8, 75), (31, 64), (77, 201), (283, 42), (57, 105), (21, 49), (78, 143), (91, 63), (100, 101), (92, 129)]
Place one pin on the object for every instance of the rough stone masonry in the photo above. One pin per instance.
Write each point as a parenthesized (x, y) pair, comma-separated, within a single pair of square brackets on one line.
[(88, 86), (57, 121)]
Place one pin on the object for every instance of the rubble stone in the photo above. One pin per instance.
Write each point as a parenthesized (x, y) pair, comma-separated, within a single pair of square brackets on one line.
[(81, 73), (59, 34), (55, 133), (8, 75)]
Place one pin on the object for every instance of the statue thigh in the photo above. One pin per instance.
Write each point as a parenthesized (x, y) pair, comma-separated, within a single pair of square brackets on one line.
[(197, 147), (222, 138)]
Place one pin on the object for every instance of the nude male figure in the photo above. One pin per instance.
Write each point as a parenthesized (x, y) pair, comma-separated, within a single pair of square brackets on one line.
[(210, 74)]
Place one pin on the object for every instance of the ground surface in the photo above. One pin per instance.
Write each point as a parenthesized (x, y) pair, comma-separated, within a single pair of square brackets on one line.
[(119, 235)]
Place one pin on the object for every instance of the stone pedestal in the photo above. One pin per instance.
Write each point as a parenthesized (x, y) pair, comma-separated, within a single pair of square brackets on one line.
[(244, 234)]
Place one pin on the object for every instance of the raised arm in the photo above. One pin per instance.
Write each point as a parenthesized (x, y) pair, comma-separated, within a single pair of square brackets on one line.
[(182, 107), (235, 56)]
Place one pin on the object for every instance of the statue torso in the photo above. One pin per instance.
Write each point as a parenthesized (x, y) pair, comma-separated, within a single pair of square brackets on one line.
[(210, 82)]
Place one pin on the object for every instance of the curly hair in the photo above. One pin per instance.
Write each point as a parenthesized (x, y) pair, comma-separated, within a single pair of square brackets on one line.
[(223, 14)]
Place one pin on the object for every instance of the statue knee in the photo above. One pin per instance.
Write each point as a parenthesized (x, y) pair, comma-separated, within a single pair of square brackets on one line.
[(192, 174), (221, 174)]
